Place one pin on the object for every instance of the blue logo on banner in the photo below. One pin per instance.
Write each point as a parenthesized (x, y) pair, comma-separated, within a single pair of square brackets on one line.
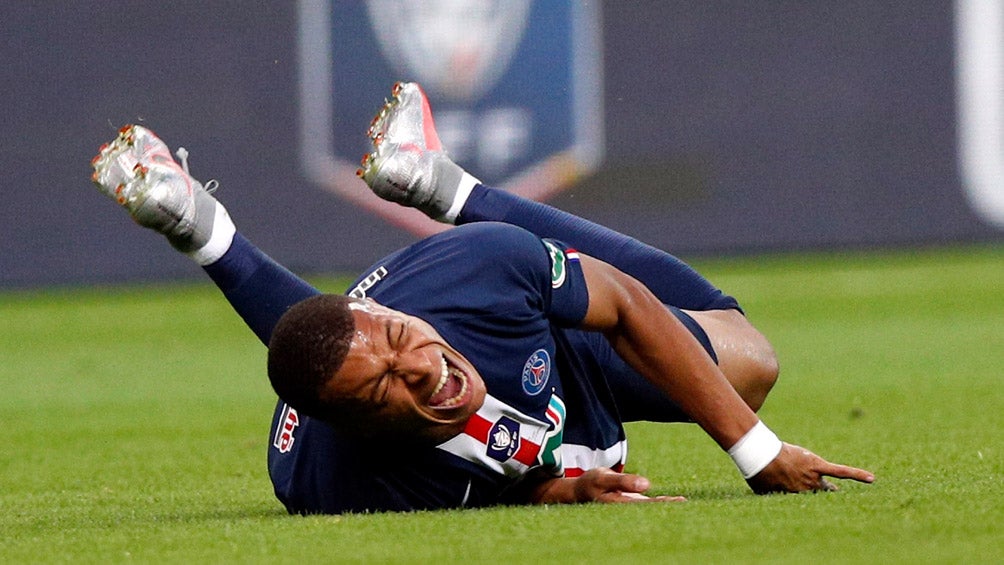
[(503, 439), (515, 87)]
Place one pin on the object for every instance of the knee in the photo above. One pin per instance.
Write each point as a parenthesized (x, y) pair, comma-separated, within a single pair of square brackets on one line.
[(763, 370), (745, 356)]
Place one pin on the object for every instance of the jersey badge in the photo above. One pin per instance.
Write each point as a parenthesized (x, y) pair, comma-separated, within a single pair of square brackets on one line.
[(503, 439), (536, 372), (288, 422), (558, 266)]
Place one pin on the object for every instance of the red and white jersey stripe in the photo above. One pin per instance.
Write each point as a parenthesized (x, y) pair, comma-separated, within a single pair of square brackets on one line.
[(507, 441)]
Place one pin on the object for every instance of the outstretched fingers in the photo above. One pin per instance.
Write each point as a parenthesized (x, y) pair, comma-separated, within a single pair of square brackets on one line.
[(797, 469), (838, 471)]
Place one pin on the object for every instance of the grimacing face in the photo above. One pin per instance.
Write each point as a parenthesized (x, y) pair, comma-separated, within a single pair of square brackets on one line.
[(413, 380)]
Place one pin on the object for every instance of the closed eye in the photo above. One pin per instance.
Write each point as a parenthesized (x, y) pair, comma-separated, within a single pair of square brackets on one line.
[(396, 334), (402, 332), (381, 390)]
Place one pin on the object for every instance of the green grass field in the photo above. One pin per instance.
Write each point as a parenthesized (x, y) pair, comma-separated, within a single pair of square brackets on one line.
[(135, 423)]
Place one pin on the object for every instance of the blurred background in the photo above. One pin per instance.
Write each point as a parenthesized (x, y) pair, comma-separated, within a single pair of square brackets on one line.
[(702, 128)]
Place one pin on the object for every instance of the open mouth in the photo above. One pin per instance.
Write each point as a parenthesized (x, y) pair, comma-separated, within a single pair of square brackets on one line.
[(451, 390)]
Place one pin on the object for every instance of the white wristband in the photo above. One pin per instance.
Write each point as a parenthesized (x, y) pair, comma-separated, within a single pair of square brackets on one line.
[(755, 450)]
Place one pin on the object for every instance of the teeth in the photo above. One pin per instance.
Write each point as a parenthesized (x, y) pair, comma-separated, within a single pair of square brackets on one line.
[(444, 378)]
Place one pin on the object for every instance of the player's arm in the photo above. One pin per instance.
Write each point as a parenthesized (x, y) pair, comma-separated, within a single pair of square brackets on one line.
[(657, 345)]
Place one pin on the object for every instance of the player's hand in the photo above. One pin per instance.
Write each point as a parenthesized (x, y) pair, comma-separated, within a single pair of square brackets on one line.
[(797, 469), (595, 485), (606, 485)]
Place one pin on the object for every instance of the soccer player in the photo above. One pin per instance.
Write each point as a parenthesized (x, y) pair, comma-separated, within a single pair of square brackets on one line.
[(492, 363)]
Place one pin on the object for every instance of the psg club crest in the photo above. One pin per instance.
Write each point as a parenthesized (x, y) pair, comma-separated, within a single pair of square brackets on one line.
[(536, 371), (515, 86)]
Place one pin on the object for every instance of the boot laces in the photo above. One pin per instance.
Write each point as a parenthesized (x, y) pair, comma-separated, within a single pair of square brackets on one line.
[(210, 185)]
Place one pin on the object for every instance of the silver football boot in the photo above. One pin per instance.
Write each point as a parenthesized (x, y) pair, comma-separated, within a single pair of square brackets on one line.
[(408, 164), (137, 171)]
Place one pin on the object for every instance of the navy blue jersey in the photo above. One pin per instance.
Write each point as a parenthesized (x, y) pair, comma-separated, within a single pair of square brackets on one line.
[(509, 302)]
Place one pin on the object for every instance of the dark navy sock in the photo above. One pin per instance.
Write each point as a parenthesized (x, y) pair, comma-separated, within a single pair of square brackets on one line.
[(670, 279), (258, 288)]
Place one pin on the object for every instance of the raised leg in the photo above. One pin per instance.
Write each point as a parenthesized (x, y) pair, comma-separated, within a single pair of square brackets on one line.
[(137, 171), (409, 166)]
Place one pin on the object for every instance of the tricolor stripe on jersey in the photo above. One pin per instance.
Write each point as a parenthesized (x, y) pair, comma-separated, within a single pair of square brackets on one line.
[(500, 438), (505, 440)]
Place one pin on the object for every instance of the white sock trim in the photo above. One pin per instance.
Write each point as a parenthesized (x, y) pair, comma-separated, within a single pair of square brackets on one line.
[(219, 241), (467, 184)]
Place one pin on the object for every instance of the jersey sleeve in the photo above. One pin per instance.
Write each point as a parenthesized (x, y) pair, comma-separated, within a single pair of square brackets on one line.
[(569, 295), (543, 273)]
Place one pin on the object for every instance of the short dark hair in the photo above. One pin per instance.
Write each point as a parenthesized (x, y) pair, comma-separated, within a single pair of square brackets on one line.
[(307, 347)]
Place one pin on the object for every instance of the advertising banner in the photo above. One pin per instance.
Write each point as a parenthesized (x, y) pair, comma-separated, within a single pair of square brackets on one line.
[(516, 88), (697, 127)]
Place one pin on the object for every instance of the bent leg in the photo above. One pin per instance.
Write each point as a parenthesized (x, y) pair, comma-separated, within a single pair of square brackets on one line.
[(744, 354), (408, 166), (670, 279)]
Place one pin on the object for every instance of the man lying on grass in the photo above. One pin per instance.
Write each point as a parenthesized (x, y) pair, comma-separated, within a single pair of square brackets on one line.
[(495, 362)]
